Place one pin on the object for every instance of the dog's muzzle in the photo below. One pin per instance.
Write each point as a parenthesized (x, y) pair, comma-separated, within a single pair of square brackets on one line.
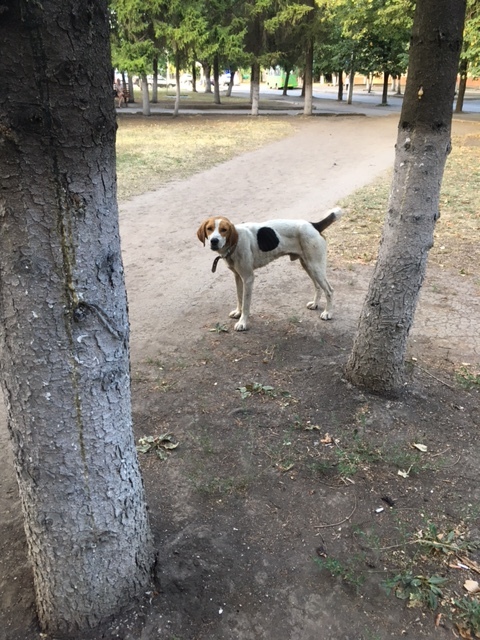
[(214, 244)]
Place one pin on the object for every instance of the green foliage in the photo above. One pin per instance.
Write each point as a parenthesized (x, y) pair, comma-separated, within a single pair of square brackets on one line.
[(471, 39), (467, 379), (219, 328), (255, 388), (418, 590), (265, 31), (350, 573), (468, 611), (438, 542)]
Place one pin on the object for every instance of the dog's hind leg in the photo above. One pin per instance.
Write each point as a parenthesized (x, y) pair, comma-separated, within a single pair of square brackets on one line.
[(321, 283)]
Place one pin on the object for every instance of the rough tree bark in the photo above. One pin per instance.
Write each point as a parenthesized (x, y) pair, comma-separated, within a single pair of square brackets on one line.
[(423, 143), (64, 356)]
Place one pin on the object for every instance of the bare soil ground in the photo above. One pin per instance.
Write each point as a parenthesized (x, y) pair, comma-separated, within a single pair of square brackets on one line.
[(282, 513)]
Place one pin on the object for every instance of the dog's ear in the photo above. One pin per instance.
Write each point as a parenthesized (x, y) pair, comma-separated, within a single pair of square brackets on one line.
[(202, 232), (232, 235)]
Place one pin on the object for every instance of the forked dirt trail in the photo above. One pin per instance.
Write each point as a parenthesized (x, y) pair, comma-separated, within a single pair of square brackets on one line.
[(255, 498)]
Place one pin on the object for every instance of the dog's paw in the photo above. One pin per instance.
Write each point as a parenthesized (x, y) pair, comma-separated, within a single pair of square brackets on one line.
[(241, 326), (312, 305), (235, 313), (325, 315)]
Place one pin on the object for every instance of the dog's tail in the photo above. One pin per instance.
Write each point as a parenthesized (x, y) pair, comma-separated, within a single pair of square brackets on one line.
[(330, 218)]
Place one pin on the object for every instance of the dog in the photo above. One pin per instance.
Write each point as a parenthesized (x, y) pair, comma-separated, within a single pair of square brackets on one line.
[(251, 245)]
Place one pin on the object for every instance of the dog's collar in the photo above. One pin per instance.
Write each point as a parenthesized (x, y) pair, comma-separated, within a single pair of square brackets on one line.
[(227, 254)]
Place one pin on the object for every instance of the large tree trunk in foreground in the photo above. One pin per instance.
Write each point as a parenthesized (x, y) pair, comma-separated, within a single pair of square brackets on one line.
[(423, 143), (63, 316)]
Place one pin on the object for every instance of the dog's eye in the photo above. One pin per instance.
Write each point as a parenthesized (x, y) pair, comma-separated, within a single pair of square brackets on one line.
[(223, 230), (209, 229)]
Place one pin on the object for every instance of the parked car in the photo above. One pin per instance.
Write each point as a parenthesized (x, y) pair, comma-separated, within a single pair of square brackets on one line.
[(163, 82), (186, 79)]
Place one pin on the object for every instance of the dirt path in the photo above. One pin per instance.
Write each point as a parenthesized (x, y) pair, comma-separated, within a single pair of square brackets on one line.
[(299, 177), (265, 537)]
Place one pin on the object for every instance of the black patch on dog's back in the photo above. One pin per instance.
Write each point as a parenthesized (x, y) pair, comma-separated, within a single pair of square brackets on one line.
[(267, 239)]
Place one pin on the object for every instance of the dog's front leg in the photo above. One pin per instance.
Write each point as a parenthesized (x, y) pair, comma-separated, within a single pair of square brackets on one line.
[(247, 286), (236, 313)]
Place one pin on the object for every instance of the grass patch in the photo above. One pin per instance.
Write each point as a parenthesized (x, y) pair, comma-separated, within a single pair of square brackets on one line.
[(456, 247), (154, 151), (468, 377)]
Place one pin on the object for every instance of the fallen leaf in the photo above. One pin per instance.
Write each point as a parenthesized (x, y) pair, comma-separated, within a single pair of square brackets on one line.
[(285, 468), (420, 447), (404, 474), (327, 439), (464, 633), (472, 586)]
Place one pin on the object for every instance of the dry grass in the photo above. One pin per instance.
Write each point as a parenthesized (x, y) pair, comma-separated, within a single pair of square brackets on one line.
[(457, 233), (154, 151)]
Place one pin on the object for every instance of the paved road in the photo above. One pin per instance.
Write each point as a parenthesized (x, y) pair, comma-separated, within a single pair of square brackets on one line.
[(324, 103)]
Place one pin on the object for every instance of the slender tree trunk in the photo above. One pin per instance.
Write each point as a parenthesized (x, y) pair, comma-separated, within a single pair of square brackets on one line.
[(194, 77), (145, 96), (216, 80), (285, 83), (351, 80), (233, 70), (255, 88), (308, 80), (340, 86), (176, 108), (385, 89), (64, 354), (462, 85), (423, 143), (155, 81), (207, 67), (131, 94)]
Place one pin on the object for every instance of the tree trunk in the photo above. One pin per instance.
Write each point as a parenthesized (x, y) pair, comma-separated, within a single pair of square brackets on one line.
[(285, 83), (385, 89), (233, 70), (255, 88), (194, 77), (216, 80), (462, 85), (131, 94), (423, 143), (308, 80), (207, 67), (145, 96), (351, 80), (340, 86), (155, 81), (176, 108), (64, 355)]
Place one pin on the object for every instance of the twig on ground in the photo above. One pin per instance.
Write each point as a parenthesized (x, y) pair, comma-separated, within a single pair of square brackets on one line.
[(435, 377), (336, 524)]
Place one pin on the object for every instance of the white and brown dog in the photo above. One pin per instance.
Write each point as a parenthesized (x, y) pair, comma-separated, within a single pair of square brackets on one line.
[(246, 247)]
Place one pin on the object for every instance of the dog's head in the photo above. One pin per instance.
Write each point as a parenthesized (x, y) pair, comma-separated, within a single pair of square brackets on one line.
[(219, 232)]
